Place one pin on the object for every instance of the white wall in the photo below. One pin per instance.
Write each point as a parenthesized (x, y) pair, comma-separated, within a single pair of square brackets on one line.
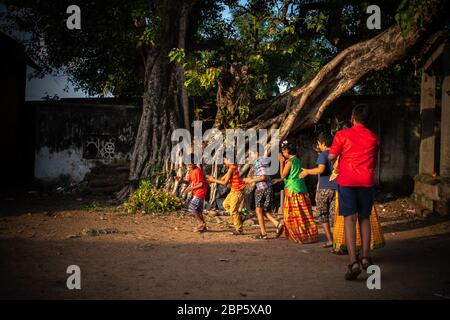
[(50, 165)]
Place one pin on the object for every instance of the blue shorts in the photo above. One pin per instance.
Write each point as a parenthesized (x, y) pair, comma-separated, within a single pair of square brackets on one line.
[(196, 205), (355, 200)]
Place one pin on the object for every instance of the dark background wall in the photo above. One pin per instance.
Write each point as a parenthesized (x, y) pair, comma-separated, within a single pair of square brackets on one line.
[(74, 135), (63, 129), (16, 159)]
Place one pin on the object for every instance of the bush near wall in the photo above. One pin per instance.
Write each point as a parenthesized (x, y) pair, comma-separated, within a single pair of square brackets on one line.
[(150, 200)]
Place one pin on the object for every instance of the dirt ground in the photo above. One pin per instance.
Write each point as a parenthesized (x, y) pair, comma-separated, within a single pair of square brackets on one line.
[(159, 257)]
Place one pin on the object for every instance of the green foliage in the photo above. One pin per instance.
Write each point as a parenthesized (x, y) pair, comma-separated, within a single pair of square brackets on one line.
[(200, 75), (150, 200), (402, 79), (107, 55), (93, 206), (411, 13), (316, 22)]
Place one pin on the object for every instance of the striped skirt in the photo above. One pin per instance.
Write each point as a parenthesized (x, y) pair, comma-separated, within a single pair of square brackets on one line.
[(376, 240), (299, 225)]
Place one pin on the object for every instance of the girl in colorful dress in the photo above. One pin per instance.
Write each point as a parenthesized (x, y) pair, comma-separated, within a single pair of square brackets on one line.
[(299, 225)]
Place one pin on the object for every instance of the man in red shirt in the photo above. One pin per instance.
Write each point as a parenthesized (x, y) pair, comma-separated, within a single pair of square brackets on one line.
[(198, 187), (357, 149)]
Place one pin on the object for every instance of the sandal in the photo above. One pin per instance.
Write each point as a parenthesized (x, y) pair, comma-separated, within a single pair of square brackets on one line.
[(367, 264), (352, 274), (261, 236), (280, 228)]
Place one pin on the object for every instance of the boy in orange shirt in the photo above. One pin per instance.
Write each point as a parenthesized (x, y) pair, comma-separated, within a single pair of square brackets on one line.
[(236, 195), (198, 187)]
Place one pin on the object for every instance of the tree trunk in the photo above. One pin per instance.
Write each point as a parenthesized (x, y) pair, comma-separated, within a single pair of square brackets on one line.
[(181, 76), (161, 111), (228, 96)]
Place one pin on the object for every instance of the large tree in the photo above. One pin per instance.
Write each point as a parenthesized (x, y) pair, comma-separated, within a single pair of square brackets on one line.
[(320, 49), (122, 48)]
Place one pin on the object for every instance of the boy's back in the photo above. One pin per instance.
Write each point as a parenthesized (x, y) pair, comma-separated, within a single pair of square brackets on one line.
[(358, 148)]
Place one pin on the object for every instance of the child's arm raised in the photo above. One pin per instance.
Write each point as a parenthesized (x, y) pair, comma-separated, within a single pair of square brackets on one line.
[(224, 180), (181, 180), (316, 171), (285, 167), (254, 180)]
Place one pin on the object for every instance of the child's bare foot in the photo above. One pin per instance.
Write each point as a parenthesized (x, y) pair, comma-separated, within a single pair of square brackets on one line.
[(261, 236), (201, 228), (237, 233), (328, 245)]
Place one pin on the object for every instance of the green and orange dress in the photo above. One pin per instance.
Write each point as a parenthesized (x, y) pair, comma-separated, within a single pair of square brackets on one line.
[(299, 225)]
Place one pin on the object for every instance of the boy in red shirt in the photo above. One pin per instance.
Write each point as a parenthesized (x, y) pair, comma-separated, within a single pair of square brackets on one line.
[(198, 187), (357, 149)]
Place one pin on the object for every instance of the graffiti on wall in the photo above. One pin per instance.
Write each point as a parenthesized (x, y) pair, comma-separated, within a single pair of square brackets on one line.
[(99, 147)]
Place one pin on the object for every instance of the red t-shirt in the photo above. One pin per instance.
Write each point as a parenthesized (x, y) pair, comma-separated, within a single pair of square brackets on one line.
[(196, 177), (358, 150)]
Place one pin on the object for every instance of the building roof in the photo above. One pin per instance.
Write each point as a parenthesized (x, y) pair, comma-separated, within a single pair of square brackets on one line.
[(431, 56)]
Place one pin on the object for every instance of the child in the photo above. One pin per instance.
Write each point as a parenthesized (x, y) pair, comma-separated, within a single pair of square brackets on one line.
[(263, 195), (198, 188), (299, 225), (357, 149), (236, 195), (327, 189)]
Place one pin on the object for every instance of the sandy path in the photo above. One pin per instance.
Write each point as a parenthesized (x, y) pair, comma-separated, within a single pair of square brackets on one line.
[(159, 257)]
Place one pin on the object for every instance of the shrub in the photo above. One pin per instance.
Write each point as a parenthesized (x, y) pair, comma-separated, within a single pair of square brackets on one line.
[(148, 199)]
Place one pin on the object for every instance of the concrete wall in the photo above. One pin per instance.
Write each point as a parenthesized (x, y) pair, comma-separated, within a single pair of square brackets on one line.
[(72, 137)]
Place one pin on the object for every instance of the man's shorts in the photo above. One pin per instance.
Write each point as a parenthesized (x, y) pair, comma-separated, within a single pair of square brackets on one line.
[(326, 203), (264, 199), (355, 200), (196, 205)]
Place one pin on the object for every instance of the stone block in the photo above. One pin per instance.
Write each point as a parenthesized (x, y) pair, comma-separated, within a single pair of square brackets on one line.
[(430, 191)]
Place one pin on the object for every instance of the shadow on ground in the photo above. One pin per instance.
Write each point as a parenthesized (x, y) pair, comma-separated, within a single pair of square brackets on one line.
[(278, 269)]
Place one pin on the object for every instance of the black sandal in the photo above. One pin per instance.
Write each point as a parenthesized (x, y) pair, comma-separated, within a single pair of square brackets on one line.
[(352, 274), (261, 236), (367, 264), (280, 228)]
